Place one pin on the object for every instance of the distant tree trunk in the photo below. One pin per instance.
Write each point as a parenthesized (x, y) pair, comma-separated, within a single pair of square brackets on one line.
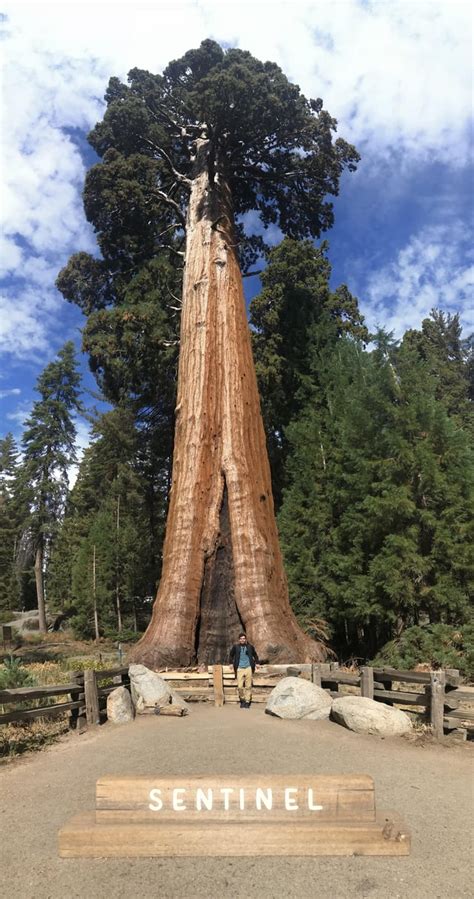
[(39, 579), (222, 566), (117, 568), (94, 595)]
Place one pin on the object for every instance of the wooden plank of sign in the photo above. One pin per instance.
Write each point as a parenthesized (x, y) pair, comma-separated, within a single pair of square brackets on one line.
[(83, 837), (341, 797)]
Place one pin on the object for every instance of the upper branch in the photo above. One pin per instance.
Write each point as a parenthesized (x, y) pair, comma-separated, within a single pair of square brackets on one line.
[(174, 205), (183, 179)]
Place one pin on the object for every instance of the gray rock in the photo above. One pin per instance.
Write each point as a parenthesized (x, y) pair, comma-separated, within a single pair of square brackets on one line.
[(119, 706), (366, 716), (294, 697), (148, 689), (27, 621), (176, 699)]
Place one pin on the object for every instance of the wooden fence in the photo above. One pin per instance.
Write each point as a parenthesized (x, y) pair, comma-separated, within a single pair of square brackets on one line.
[(438, 695)]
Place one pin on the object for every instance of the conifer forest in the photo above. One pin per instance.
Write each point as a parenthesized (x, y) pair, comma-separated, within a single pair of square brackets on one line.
[(318, 495)]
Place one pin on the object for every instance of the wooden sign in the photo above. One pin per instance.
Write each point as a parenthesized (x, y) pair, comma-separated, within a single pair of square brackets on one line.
[(267, 798), (227, 815)]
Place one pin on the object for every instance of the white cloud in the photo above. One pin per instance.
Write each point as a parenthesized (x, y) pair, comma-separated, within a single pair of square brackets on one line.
[(27, 320), (13, 391), (429, 271), (20, 414), (83, 439), (393, 72)]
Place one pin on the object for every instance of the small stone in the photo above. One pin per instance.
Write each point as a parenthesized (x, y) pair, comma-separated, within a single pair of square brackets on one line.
[(119, 706), (366, 716), (294, 697), (176, 699)]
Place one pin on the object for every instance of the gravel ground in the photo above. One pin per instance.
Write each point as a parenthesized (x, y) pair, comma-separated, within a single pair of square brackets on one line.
[(430, 786)]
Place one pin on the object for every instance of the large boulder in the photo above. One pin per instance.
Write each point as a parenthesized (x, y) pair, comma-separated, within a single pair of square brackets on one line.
[(297, 698), (119, 706), (150, 690), (365, 716)]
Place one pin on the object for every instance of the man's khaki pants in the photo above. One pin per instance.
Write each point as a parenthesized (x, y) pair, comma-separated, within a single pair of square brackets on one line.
[(244, 683)]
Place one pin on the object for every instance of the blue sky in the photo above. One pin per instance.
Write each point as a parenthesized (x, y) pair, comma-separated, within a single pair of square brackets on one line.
[(395, 73)]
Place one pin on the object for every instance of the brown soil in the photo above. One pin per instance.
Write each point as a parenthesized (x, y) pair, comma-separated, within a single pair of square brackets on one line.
[(429, 785)]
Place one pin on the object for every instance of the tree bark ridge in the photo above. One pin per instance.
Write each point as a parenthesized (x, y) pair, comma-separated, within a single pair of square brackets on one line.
[(221, 524)]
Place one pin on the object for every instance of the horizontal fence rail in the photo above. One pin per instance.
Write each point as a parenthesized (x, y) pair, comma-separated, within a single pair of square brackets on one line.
[(438, 694)]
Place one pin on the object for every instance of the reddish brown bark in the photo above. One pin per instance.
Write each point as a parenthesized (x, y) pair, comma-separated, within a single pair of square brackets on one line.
[(222, 566)]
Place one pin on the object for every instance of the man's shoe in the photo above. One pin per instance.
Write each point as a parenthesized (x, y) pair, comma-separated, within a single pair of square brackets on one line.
[(243, 705), (246, 705)]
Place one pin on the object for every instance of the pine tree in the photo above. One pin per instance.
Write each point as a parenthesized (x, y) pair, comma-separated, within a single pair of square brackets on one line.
[(118, 505), (184, 155), (48, 452), (295, 316), (9, 523), (448, 358), (375, 523)]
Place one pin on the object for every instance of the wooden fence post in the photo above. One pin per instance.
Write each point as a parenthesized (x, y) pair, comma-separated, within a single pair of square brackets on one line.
[(367, 682), (91, 697), (218, 685), (78, 719), (437, 685), (316, 675)]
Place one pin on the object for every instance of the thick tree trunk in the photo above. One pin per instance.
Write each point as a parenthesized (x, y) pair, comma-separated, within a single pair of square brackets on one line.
[(39, 579), (222, 566)]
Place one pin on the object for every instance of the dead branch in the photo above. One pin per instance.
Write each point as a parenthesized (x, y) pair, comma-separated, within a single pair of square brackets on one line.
[(183, 179), (174, 205)]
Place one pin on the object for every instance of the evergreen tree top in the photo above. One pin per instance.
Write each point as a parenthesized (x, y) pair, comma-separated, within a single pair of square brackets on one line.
[(49, 436), (273, 146)]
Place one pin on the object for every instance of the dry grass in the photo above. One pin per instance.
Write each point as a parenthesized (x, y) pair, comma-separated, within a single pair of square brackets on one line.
[(15, 739), (19, 737)]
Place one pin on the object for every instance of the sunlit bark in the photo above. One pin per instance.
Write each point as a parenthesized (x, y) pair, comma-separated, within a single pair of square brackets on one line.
[(222, 565)]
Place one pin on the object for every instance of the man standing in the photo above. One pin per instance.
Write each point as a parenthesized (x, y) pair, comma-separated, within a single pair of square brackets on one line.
[(244, 658)]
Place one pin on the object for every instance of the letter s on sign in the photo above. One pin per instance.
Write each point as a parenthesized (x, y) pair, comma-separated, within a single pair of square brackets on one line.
[(156, 803)]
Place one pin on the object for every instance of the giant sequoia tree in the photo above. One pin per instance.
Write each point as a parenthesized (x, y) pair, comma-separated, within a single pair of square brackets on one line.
[(185, 156)]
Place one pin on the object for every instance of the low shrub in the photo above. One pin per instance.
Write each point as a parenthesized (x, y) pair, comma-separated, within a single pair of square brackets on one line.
[(127, 635), (14, 674), (438, 645)]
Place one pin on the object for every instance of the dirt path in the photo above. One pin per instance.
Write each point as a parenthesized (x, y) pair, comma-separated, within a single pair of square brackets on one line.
[(431, 787)]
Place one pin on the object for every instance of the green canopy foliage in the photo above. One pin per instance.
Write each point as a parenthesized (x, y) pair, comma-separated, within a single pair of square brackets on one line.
[(10, 518), (49, 450), (295, 315), (274, 148), (376, 523)]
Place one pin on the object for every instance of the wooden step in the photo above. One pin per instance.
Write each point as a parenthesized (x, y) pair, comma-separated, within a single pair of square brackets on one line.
[(82, 837)]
